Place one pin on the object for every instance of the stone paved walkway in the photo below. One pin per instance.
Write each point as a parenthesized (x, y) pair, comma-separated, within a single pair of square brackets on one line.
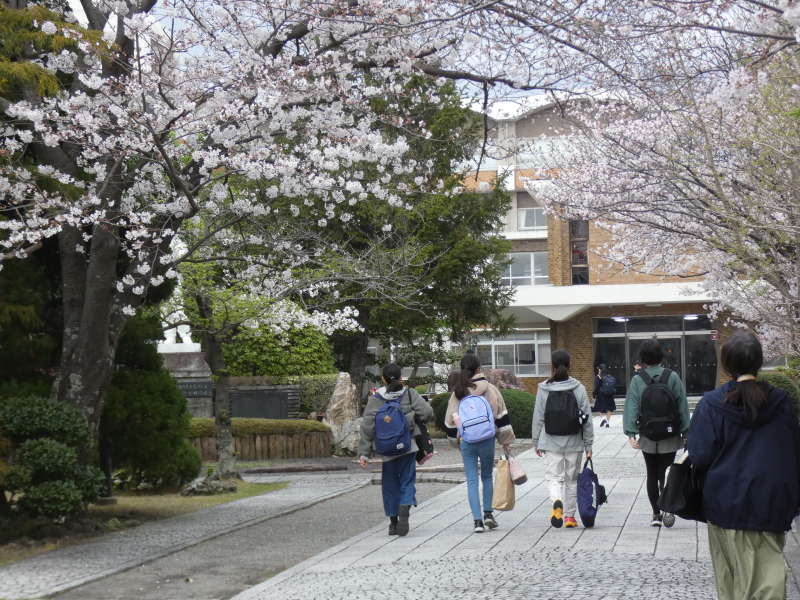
[(621, 557), (70, 567)]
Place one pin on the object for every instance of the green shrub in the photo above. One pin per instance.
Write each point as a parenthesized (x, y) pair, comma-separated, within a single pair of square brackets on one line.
[(242, 427), (439, 406), (46, 479), (520, 410), (31, 417), (46, 459), (303, 351), (52, 499), (783, 382), (316, 391), (145, 425)]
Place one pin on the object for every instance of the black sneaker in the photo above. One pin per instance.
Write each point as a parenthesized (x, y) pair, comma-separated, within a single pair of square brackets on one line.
[(657, 521), (392, 528), (488, 519), (479, 526), (668, 520), (603, 422), (402, 520)]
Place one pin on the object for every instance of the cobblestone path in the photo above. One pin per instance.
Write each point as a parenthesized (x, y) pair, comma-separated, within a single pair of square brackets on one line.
[(621, 557), (69, 567)]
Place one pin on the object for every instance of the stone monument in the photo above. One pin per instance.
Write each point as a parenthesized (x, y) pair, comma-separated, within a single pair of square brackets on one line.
[(186, 363), (499, 378), (343, 416)]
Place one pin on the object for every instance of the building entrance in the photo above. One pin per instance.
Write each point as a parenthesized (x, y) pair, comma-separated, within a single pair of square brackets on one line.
[(688, 341)]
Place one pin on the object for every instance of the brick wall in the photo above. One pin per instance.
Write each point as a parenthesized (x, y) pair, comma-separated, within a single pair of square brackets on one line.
[(575, 336), (471, 182), (532, 383), (558, 258), (529, 246), (601, 274)]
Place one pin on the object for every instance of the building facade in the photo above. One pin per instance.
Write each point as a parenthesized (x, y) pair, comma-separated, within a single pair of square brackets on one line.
[(568, 297)]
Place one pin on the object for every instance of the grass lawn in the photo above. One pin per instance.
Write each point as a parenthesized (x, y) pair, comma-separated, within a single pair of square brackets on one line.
[(24, 539)]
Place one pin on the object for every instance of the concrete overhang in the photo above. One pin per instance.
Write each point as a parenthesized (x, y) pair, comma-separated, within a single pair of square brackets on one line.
[(559, 303)]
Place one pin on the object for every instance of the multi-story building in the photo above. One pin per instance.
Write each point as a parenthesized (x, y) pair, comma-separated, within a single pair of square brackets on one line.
[(568, 297)]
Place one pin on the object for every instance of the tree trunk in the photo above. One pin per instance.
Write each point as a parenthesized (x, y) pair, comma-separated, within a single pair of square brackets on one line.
[(358, 352), (93, 322), (226, 465)]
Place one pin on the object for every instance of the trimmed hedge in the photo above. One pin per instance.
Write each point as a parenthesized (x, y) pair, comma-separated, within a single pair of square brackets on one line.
[(242, 427), (519, 404), (520, 410), (781, 381)]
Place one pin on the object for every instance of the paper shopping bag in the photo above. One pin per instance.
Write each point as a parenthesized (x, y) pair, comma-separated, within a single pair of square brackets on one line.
[(503, 497)]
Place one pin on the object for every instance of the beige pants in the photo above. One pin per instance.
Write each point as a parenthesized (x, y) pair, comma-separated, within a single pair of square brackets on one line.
[(562, 470), (748, 565)]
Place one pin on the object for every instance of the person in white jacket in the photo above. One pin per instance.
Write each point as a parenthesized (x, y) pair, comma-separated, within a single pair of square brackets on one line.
[(561, 433)]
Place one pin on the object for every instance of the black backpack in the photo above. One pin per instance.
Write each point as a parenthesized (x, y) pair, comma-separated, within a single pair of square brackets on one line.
[(660, 418), (561, 413)]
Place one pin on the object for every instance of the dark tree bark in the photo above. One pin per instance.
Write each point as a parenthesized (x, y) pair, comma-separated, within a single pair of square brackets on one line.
[(358, 352)]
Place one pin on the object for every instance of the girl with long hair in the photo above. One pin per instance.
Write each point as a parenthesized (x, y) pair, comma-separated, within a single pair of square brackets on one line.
[(603, 402), (473, 388), (562, 452), (745, 437)]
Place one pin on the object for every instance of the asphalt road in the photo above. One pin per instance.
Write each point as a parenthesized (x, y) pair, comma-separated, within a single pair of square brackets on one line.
[(227, 565)]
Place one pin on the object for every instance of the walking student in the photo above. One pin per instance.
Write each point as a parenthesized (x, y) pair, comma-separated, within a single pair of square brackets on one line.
[(562, 431), (603, 394), (388, 429), (746, 438), (476, 417), (657, 411)]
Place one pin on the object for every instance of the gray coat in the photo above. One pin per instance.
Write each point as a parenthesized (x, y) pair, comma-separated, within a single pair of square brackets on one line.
[(411, 403), (562, 443)]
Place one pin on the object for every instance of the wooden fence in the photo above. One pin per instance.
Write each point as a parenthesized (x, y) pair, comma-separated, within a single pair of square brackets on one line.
[(264, 447)]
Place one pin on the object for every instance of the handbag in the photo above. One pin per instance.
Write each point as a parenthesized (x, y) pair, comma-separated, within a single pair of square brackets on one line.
[(683, 491), (503, 497), (424, 442), (590, 494), (518, 474)]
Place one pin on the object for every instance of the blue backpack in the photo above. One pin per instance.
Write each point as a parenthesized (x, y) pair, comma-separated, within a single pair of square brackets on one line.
[(477, 419), (608, 386), (392, 433)]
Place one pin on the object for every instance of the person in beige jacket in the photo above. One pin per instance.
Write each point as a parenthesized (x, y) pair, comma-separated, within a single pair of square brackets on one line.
[(471, 384)]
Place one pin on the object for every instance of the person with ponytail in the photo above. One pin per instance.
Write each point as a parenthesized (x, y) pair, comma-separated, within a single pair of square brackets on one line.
[(398, 473), (745, 438), (472, 384), (562, 431)]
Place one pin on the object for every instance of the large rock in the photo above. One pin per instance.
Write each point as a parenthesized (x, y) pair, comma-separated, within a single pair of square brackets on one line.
[(343, 416), (499, 378), (209, 488)]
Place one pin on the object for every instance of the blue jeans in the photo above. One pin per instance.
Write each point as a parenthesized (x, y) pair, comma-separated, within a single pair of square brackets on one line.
[(397, 483), (471, 453)]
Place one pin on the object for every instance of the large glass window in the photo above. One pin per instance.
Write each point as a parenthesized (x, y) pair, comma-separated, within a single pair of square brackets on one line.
[(579, 251), (689, 343), (524, 353), (527, 268)]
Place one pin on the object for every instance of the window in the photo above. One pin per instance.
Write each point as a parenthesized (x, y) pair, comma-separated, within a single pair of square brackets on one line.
[(579, 249), (524, 353), (530, 216), (531, 219), (526, 268)]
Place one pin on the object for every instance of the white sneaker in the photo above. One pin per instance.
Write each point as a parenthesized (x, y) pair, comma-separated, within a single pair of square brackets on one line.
[(656, 522), (479, 526)]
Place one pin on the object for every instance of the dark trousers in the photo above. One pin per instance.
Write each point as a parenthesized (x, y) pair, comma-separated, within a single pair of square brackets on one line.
[(397, 483), (657, 465)]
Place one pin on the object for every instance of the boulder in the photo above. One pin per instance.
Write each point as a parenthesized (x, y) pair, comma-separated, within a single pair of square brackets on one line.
[(499, 378), (209, 488), (343, 416)]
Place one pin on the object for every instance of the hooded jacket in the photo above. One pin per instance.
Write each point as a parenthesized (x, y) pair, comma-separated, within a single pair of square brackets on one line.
[(411, 403), (752, 469), (562, 443), (504, 433)]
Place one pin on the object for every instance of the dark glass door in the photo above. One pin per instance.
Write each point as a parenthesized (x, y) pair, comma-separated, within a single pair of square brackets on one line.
[(610, 352), (673, 353), (701, 364)]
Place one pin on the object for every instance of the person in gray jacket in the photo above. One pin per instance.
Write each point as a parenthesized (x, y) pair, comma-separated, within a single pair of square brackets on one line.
[(398, 473), (563, 453)]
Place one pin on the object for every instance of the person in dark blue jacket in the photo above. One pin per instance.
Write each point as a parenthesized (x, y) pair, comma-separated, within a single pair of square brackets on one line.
[(746, 438)]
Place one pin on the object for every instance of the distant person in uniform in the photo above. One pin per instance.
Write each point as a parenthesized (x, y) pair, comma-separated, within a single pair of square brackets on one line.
[(603, 394)]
